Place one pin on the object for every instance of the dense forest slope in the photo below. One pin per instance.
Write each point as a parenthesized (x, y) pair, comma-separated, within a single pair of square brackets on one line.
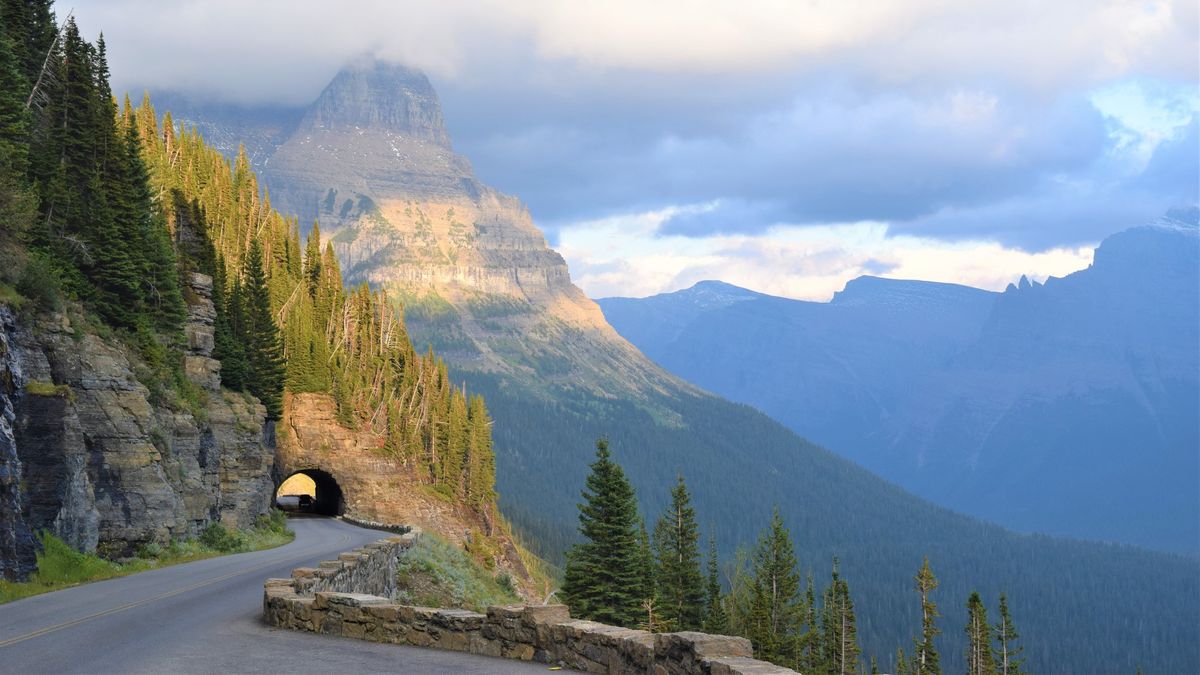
[(1069, 408), (477, 281)]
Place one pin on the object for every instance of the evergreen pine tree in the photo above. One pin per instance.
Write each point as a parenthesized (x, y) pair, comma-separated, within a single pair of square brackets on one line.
[(809, 643), (229, 330), (775, 610), (839, 637), (849, 630), (901, 662), (603, 577), (264, 350), (979, 638), (1008, 654), (455, 452), (14, 121), (651, 616), (481, 457), (925, 655), (680, 584), (30, 27), (159, 272), (716, 619), (647, 571), (312, 261)]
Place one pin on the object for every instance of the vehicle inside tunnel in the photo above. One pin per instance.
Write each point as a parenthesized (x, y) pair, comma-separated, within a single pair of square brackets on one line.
[(310, 491)]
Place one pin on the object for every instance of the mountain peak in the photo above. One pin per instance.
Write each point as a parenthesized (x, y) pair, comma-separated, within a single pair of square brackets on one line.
[(1187, 217), (373, 94), (711, 294), (884, 292), (1168, 246)]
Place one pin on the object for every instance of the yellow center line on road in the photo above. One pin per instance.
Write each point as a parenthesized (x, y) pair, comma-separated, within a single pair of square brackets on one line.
[(179, 591)]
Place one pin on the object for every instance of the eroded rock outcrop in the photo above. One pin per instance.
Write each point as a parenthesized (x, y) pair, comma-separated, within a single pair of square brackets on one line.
[(107, 464)]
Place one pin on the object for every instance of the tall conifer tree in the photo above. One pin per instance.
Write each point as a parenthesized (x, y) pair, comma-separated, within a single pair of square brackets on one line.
[(14, 120), (716, 619), (229, 330), (603, 575), (676, 547), (481, 458), (264, 350), (647, 572), (925, 655), (979, 638), (840, 633), (775, 610), (312, 261), (808, 647), (1008, 653), (30, 26)]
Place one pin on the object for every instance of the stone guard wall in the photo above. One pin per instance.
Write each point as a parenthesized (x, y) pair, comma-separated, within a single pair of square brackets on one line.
[(350, 597)]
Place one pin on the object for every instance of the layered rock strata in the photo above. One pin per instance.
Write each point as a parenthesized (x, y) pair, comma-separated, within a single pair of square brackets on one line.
[(16, 540), (107, 464), (371, 160)]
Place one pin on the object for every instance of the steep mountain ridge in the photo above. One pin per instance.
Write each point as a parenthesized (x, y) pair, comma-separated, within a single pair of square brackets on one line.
[(1081, 396), (1068, 407), (372, 161)]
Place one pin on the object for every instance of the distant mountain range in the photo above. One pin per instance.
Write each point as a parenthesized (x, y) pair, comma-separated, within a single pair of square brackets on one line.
[(476, 279), (1071, 408)]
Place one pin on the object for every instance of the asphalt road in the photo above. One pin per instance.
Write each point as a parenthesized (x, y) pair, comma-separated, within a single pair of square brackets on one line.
[(205, 617)]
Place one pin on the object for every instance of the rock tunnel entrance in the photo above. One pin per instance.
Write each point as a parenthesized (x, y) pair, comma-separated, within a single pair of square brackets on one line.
[(311, 491)]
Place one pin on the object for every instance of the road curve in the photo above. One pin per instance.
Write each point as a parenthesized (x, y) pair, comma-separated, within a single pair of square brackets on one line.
[(206, 617)]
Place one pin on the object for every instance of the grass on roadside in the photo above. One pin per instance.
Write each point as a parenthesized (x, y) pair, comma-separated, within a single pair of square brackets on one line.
[(436, 573), (60, 566)]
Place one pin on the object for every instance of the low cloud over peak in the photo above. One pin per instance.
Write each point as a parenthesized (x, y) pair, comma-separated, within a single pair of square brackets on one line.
[(1032, 127)]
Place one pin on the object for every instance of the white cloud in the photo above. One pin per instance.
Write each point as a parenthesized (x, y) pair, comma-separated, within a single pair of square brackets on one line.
[(977, 123), (624, 256), (287, 49), (1146, 113)]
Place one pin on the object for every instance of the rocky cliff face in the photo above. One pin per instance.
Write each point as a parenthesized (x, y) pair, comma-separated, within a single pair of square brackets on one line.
[(372, 161), (381, 489), (16, 540), (108, 465)]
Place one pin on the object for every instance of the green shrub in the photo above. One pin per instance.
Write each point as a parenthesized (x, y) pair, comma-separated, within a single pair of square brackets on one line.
[(220, 538), (505, 581), (9, 296), (191, 395), (40, 284), (273, 521), (436, 573), (150, 551), (58, 563)]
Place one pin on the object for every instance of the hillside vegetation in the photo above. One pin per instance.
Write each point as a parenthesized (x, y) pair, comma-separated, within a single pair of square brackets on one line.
[(435, 573), (106, 208)]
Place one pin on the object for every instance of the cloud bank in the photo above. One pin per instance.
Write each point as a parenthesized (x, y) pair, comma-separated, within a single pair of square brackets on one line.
[(986, 129)]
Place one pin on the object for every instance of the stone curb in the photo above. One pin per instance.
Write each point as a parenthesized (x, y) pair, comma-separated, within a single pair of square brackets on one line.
[(350, 597)]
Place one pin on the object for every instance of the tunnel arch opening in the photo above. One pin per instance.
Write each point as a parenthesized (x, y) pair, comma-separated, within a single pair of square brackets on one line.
[(311, 491)]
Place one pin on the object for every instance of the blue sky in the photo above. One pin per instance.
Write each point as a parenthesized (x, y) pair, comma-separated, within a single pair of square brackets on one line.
[(783, 146)]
